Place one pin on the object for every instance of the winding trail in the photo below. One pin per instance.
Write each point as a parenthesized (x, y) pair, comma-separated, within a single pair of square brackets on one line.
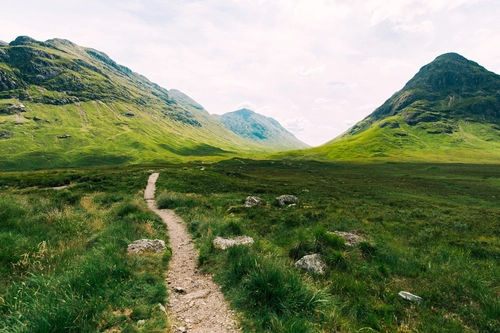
[(196, 302)]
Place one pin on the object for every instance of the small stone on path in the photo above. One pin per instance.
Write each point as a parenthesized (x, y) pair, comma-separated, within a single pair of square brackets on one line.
[(179, 290), (197, 294)]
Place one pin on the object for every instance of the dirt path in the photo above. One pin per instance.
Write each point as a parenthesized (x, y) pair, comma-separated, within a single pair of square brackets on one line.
[(196, 302)]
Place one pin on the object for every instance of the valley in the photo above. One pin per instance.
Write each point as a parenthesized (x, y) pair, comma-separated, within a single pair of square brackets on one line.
[(417, 182), (430, 229)]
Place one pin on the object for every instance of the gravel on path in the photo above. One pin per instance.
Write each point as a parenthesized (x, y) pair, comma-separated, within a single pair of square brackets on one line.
[(196, 302)]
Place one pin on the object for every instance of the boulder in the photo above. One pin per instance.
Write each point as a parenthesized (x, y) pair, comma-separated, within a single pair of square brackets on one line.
[(252, 201), (287, 200), (410, 297), (312, 263), (350, 239), (146, 246), (224, 243)]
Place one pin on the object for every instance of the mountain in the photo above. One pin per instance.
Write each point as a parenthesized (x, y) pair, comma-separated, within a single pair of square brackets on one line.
[(449, 111), (260, 129), (66, 105)]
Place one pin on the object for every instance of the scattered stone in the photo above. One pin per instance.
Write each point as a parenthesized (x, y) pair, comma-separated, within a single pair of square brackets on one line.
[(58, 188), (252, 201), (224, 243), (350, 239), (35, 118), (6, 135), (141, 322), (197, 294), (129, 114), (162, 308), (147, 246), (312, 263), (64, 136), (179, 290), (410, 297), (182, 329), (287, 200)]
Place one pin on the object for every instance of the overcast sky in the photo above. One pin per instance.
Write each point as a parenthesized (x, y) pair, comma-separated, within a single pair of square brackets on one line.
[(317, 66)]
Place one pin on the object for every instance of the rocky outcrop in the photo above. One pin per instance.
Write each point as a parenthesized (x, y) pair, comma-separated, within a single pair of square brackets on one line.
[(224, 243), (146, 246), (286, 200), (312, 263), (253, 201)]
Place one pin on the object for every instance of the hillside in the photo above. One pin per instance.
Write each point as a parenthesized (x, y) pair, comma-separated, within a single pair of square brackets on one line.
[(66, 105), (449, 111), (260, 129)]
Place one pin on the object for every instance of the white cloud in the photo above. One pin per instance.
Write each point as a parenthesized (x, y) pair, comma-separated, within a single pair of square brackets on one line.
[(296, 125), (422, 27), (304, 71), (407, 10)]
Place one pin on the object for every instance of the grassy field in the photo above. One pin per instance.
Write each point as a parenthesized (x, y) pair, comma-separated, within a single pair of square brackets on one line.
[(469, 142), (64, 263), (431, 229)]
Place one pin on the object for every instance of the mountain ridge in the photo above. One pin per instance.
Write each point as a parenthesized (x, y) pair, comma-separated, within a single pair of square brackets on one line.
[(66, 105), (448, 111), (260, 129)]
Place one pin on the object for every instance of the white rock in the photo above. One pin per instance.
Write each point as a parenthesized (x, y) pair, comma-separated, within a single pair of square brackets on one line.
[(410, 297), (252, 201), (287, 200), (224, 243), (350, 239), (162, 308), (147, 246), (312, 263)]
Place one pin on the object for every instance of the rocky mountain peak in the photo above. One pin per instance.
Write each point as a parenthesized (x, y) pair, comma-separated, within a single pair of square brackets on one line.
[(23, 40)]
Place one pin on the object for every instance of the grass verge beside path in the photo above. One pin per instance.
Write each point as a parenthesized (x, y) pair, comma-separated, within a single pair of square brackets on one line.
[(63, 257), (430, 229)]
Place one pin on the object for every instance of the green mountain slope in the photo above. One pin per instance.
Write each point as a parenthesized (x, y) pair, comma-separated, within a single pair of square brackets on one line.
[(66, 105), (449, 111), (260, 129)]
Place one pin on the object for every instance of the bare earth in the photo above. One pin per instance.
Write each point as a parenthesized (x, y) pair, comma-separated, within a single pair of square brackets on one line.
[(196, 302)]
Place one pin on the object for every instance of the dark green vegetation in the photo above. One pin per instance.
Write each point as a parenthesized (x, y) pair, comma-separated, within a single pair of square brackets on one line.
[(448, 112), (260, 129), (63, 256), (62, 105), (431, 229)]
